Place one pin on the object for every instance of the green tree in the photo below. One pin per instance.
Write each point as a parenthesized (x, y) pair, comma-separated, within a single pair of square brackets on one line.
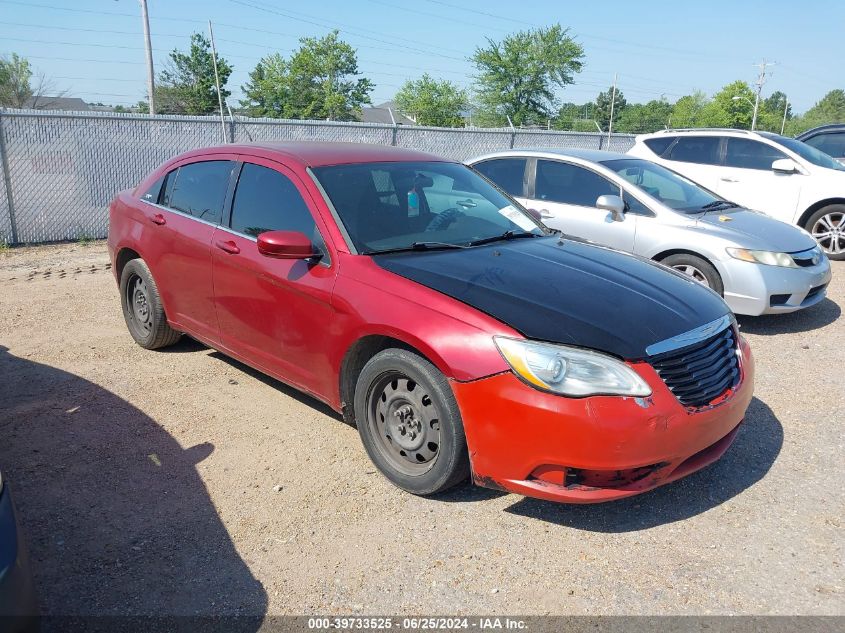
[(187, 85), (324, 82), (517, 77), (268, 91), (644, 117), (15, 75), (732, 106), (432, 102), (777, 103), (603, 103), (688, 110)]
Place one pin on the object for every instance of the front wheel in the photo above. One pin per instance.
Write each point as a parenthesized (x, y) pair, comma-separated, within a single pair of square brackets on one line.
[(827, 226), (409, 422), (698, 268)]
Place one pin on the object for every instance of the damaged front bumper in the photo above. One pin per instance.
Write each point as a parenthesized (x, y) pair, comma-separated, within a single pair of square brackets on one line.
[(600, 448)]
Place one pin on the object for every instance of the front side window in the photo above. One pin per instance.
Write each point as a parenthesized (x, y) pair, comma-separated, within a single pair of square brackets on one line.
[(266, 200), (663, 184), (749, 154), (389, 206), (570, 184), (507, 173), (808, 153), (199, 189), (703, 150)]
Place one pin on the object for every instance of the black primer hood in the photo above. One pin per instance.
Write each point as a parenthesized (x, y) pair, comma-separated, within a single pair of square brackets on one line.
[(566, 291)]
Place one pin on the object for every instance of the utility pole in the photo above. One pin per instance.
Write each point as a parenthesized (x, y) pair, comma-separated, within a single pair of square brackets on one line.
[(217, 82), (761, 79), (785, 110), (151, 87), (612, 104)]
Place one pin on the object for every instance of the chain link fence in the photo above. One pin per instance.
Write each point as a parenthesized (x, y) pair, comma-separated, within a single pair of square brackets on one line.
[(60, 170)]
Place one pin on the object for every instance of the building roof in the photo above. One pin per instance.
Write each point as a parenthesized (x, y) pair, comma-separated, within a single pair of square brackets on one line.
[(381, 114), (67, 104)]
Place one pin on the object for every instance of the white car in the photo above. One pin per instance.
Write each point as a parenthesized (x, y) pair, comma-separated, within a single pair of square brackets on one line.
[(780, 176)]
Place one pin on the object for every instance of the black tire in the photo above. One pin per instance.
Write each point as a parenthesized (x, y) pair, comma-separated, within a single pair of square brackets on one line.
[(142, 309), (698, 268), (830, 220), (400, 393)]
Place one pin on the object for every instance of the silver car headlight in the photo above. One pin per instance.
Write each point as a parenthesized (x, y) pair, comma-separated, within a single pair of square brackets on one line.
[(570, 371), (770, 258)]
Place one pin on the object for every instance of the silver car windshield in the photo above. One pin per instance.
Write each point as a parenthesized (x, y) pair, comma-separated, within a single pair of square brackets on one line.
[(662, 184), (807, 152), (388, 207)]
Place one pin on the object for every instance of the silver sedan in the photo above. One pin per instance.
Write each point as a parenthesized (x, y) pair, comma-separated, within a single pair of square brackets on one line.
[(758, 264)]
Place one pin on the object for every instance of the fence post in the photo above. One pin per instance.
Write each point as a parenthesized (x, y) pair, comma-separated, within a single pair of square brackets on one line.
[(7, 179), (601, 140)]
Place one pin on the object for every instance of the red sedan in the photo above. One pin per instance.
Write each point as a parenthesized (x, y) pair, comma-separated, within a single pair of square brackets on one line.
[(459, 334)]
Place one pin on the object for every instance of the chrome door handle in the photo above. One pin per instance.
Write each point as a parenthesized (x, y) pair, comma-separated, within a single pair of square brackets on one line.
[(728, 179), (545, 213)]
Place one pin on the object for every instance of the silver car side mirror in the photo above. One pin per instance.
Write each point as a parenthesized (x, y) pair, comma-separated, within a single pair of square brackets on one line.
[(613, 204), (784, 166)]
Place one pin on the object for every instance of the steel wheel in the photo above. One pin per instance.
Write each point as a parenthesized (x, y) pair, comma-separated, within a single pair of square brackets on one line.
[(829, 231), (138, 300), (693, 272), (405, 423)]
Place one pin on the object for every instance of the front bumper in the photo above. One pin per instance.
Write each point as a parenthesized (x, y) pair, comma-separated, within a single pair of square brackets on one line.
[(588, 450), (18, 610), (750, 288)]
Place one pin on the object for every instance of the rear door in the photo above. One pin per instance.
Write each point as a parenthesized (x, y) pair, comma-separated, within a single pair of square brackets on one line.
[(832, 143), (183, 216), (698, 158), (567, 193), (275, 314), (747, 179)]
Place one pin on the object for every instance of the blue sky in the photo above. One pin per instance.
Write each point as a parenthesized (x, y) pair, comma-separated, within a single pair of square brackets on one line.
[(94, 48)]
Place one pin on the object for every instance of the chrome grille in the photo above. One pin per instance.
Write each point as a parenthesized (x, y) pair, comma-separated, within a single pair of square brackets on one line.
[(700, 372)]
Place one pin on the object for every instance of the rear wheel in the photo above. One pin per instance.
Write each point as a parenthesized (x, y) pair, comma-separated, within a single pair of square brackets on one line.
[(698, 268), (827, 225), (142, 308), (409, 422)]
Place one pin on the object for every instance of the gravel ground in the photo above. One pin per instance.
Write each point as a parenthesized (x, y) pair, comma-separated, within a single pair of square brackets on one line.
[(181, 482)]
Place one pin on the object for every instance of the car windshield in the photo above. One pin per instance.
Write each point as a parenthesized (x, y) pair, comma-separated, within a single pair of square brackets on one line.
[(807, 152), (403, 205), (662, 184)]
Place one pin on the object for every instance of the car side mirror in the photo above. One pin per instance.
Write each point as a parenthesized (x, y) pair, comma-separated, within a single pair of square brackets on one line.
[(286, 245), (784, 166), (613, 204)]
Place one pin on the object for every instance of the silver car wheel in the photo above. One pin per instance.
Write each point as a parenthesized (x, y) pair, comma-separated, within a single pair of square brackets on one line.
[(693, 272), (829, 231)]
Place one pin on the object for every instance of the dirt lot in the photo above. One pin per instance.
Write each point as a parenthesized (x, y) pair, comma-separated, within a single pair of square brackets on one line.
[(147, 482)]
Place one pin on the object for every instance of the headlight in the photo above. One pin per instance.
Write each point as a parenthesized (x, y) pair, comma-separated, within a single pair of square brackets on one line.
[(570, 371), (769, 258)]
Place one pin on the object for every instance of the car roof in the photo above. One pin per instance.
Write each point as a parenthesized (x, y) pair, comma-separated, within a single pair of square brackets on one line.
[(829, 127), (592, 155), (698, 130), (321, 153)]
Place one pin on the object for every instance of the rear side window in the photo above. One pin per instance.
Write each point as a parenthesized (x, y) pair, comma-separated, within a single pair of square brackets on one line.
[(748, 154), (703, 150), (198, 189), (660, 144), (266, 200), (832, 143), (570, 184), (507, 173)]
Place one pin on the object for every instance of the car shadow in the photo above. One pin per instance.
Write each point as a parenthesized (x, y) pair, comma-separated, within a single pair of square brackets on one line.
[(746, 462), (118, 520), (822, 314)]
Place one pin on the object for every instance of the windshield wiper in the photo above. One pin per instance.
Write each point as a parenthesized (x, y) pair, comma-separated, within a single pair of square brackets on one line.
[(719, 204), (416, 246), (507, 235)]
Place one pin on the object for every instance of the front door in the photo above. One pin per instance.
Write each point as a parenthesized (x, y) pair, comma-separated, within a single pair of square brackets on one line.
[(275, 314), (566, 194)]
